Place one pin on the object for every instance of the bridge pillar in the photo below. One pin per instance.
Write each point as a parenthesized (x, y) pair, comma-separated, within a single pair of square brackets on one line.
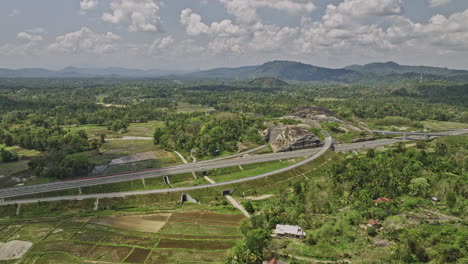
[(426, 137), (405, 136), (96, 204), (18, 208), (166, 180), (143, 182), (79, 191)]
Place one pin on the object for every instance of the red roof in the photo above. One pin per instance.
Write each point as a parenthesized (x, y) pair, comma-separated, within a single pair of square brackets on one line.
[(382, 199), (372, 222)]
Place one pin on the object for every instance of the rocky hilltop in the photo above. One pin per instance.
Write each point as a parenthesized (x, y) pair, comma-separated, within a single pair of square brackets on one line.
[(288, 138)]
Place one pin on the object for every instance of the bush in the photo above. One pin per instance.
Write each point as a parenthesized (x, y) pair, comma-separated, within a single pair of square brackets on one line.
[(372, 231), (7, 156)]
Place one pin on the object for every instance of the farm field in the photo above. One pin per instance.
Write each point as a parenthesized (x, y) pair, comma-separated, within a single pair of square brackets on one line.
[(177, 236)]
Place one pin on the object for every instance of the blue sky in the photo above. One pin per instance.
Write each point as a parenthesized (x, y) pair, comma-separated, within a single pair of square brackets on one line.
[(188, 34)]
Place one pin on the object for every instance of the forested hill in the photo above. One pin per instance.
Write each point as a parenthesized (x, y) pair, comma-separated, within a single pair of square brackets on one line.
[(285, 70), (386, 68), (370, 74), (389, 72)]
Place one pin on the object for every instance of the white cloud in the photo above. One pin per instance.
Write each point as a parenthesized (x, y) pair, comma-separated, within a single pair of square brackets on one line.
[(160, 45), (141, 15), (245, 11), (351, 12), (226, 28), (14, 13), (193, 23), (28, 36), (85, 41), (37, 30), (437, 3), (86, 5)]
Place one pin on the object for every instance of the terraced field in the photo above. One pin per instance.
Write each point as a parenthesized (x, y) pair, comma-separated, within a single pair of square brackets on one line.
[(196, 236)]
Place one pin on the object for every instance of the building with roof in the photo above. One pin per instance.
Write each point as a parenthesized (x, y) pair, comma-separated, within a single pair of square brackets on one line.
[(289, 231)]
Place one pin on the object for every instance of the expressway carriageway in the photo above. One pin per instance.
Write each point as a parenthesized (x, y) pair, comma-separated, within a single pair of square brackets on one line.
[(318, 153), (179, 169), (427, 134)]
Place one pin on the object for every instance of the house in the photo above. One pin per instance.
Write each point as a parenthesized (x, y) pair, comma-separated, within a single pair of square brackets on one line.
[(289, 231)]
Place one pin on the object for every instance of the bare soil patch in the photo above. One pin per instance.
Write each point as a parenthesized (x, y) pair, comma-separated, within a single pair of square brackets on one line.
[(14, 249), (142, 223), (149, 155), (130, 240)]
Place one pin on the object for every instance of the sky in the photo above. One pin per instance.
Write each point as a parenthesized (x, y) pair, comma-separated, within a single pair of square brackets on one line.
[(203, 34)]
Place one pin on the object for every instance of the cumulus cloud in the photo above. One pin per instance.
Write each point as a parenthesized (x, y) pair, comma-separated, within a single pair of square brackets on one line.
[(351, 12), (86, 5), (160, 45), (141, 15), (437, 3), (193, 24), (245, 11), (85, 41), (28, 36)]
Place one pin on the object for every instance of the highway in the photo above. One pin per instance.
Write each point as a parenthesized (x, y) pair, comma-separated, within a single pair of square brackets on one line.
[(326, 146), (178, 169), (190, 167), (430, 134)]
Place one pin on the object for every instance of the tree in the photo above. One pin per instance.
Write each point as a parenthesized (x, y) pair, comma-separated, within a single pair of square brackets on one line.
[(102, 139), (451, 199), (256, 240), (7, 156), (370, 153), (158, 133), (8, 140), (419, 187), (421, 144), (249, 207), (440, 149)]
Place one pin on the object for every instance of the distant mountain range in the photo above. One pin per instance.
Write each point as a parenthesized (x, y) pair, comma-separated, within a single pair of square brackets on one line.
[(283, 70), (74, 72), (296, 71)]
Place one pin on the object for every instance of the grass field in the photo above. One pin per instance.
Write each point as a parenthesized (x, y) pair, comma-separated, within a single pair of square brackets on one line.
[(441, 125), (134, 129), (234, 173), (186, 107), (185, 235)]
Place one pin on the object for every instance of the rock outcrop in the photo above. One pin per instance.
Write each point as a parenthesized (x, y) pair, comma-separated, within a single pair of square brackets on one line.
[(288, 138)]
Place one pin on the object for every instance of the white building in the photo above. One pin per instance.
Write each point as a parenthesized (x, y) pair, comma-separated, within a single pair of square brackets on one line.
[(289, 231)]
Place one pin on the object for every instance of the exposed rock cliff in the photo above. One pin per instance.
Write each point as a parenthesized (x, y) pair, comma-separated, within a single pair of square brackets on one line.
[(288, 138)]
